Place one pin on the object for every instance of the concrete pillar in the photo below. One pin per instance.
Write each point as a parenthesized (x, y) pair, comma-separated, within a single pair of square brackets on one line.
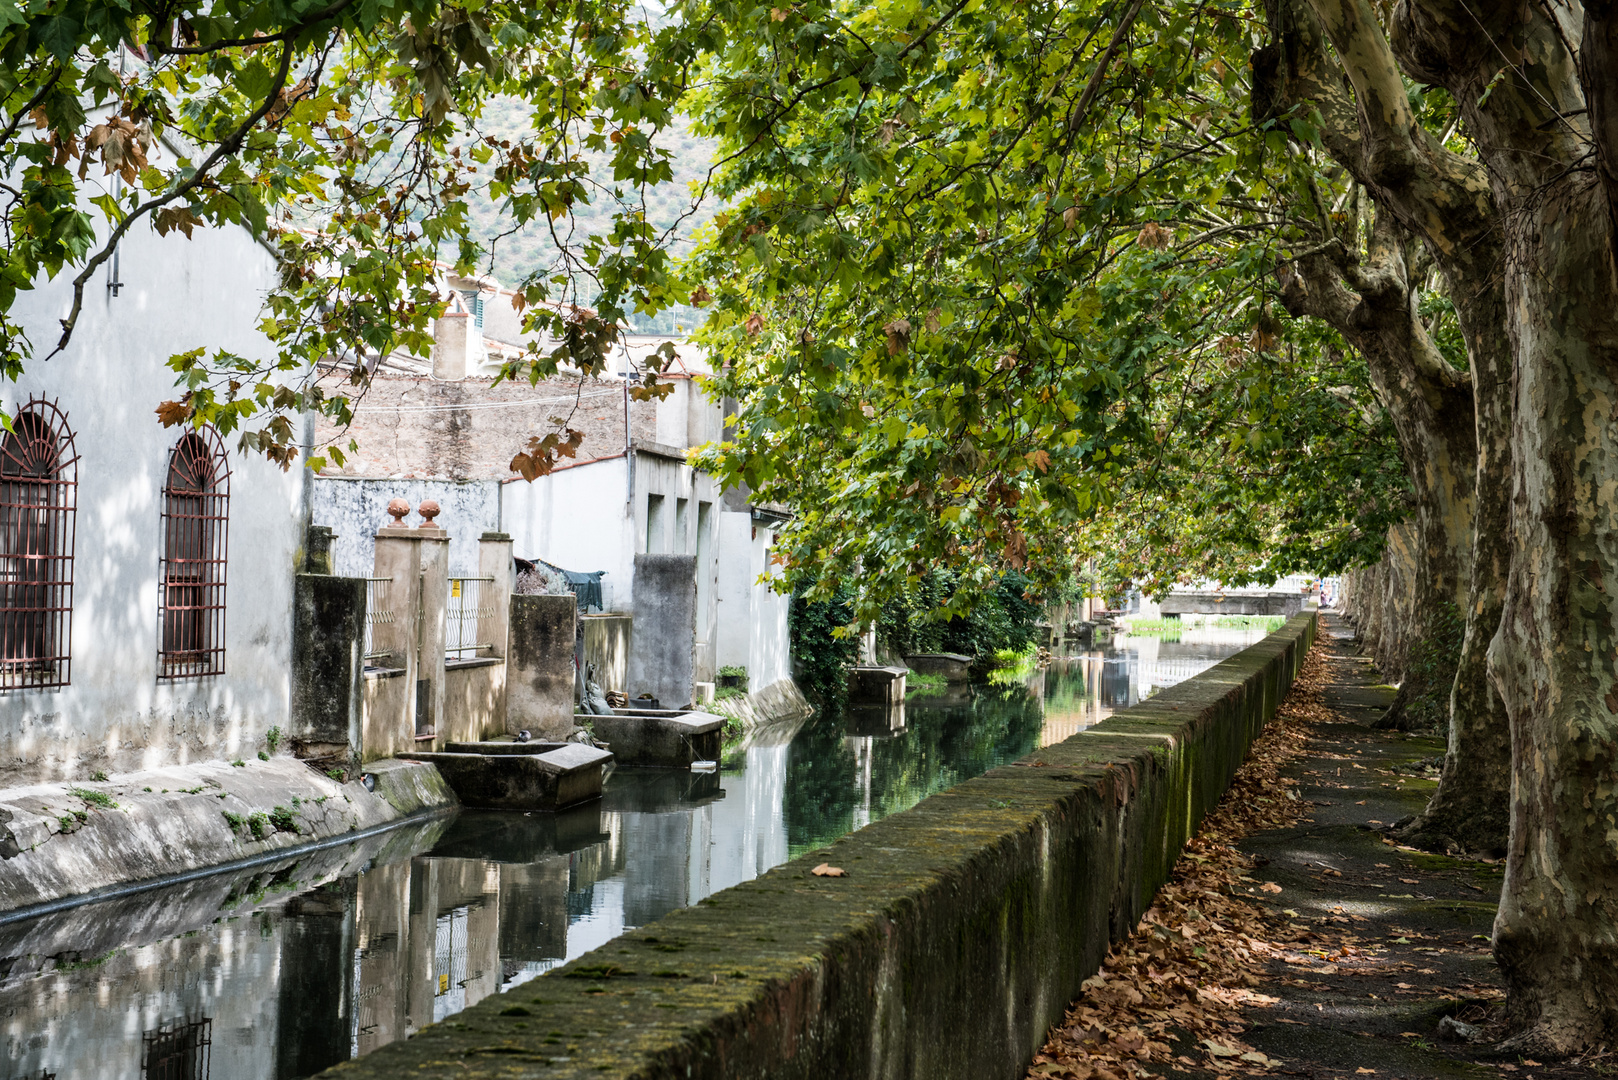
[(414, 564), (328, 669), (452, 339), (495, 561), (539, 669), (434, 607), (662, 661)]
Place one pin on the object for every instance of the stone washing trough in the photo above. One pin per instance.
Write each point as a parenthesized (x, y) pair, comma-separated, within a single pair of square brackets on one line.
[(511, 775), (658, 738), (953, 666)]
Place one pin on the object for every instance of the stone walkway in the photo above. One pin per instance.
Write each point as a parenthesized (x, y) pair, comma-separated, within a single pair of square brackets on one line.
[(1417, 926)]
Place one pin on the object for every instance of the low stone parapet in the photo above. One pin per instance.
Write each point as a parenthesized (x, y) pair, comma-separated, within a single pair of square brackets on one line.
[(954, 936), (71, 841)]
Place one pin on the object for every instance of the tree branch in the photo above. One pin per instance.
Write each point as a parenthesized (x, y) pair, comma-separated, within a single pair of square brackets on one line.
[(225, 149), (1598, 75)]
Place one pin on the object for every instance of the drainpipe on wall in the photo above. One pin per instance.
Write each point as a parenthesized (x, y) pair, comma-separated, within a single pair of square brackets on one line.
[(629, 456)]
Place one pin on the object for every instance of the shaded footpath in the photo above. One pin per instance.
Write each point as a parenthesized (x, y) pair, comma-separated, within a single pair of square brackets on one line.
[(1411, 930), (1295, 937)]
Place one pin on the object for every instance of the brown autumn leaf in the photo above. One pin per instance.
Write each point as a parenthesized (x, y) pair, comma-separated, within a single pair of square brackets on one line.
[(1154, 236), (700, 295), (173, 412), (172, 218), (828, 870), (1069, 216), (755, 323), (934, 320), (1270, 887), (898, 332)]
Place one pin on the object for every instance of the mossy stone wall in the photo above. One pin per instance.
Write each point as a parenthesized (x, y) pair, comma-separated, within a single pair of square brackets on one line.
[(964, 927)]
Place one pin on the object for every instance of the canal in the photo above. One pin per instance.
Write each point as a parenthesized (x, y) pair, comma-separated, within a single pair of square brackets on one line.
[(284, 970)]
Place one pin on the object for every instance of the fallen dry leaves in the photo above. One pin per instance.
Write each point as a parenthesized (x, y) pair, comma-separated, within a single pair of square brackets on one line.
[(1192, 964)]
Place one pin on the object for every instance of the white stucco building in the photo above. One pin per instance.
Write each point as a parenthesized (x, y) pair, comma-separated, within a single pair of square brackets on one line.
[(443, 429), (146, 573)]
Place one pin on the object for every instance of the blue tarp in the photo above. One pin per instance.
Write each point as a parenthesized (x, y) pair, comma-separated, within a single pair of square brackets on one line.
[(586, 586)]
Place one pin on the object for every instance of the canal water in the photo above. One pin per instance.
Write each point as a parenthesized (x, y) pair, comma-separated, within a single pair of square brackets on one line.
[(286, 969)]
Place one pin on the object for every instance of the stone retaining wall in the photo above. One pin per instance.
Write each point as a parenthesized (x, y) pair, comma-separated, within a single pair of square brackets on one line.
[(962, 930)]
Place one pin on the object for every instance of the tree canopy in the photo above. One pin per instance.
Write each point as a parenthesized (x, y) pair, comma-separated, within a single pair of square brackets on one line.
[(1212, 288)]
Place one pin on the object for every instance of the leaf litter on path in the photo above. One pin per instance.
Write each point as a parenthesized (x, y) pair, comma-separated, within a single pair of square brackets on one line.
[(1193, 964)]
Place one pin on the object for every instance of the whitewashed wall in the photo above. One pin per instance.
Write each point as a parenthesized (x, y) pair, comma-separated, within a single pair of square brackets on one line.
[(577, 519), (753, 628), (178, 294), (356, 508)]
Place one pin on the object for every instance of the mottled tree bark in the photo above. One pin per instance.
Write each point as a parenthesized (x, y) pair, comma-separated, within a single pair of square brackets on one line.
[(1555, 656), (1446, 199), (1371, 300)]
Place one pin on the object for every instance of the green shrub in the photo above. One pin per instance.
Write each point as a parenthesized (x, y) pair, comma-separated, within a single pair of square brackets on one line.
[(1002, 619), (94, 798), (819, 654), (272, 738), (259, 825)]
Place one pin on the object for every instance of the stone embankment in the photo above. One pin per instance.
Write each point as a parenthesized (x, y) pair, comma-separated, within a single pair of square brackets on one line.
[(66, 843), (940, 942)]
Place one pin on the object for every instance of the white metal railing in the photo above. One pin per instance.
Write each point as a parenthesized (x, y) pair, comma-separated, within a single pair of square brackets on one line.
[(377, 613), (463, 614)]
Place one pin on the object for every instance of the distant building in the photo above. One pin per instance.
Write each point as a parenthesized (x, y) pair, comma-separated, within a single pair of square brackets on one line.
[(440, 428)]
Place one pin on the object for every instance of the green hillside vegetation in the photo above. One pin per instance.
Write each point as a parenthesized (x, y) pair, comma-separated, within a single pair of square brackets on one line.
[(533, 250)]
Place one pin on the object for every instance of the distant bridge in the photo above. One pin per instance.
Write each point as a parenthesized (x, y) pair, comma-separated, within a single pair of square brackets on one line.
[(1233, 603), (1285, 597)]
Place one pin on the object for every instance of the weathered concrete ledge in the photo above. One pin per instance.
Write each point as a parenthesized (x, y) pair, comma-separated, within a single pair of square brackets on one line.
[(77, 841), (963, 928), (782, 702)]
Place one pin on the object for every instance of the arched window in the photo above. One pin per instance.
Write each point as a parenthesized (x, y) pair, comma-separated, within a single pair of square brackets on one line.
[(39, 479), (196, 508)]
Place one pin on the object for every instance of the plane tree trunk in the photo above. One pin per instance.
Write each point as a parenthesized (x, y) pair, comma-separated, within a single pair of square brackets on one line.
[(1535, 111), (1373, 303), (1445, 199)]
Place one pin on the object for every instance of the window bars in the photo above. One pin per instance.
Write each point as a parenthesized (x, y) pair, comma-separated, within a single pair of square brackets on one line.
[(191, 579), (177, 1051), (39, 481), (462, 616)]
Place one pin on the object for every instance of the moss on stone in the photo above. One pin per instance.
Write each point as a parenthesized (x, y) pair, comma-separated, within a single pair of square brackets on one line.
[(994, 899)]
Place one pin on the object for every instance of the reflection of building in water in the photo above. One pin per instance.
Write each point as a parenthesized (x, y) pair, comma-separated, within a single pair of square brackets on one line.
[(1082, 691), (300, 983), (177, 1051)]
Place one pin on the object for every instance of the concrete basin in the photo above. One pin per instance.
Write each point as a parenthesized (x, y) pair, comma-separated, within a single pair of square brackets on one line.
[(663, 739), (953, 666), (502, 778)]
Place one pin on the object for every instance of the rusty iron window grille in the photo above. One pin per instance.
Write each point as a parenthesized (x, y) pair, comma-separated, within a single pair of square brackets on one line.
[(463, 614), (177, 1051), (378, 612), (191, 578), (39, 480)]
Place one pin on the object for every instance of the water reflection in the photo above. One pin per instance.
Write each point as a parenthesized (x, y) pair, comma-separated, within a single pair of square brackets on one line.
[(287, 969)]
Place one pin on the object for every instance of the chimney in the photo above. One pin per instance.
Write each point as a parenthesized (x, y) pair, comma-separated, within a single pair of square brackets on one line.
[(451, 340)]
